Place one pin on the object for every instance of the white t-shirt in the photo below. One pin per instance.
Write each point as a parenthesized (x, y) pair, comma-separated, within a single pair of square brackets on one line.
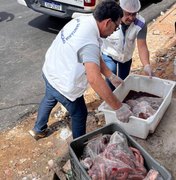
[(64, 60)]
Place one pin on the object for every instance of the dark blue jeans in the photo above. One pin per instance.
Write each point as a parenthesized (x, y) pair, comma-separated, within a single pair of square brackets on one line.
[(77, 110), (123, 68)]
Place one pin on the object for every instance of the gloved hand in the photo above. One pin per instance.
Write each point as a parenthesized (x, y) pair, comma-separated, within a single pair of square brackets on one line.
[(123, 113), (148, 70), (115, 80)]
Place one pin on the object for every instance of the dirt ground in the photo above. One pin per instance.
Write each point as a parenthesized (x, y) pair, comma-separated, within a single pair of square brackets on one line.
[(21, 157)]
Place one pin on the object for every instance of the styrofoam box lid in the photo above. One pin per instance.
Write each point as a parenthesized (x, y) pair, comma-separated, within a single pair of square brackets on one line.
[(156, 86)]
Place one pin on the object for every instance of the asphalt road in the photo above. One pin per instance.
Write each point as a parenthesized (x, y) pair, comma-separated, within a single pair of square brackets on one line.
[(25, 36)]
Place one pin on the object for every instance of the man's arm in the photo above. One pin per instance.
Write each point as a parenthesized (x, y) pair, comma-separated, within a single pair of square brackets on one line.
[(143, 51), (104, 69), (99, 85), (142, 46), (94, 66)]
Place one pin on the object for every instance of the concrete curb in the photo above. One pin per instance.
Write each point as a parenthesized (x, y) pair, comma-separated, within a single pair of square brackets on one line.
[(154, 10)]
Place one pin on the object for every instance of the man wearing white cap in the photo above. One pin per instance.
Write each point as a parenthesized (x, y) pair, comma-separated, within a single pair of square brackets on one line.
[(118, 48)]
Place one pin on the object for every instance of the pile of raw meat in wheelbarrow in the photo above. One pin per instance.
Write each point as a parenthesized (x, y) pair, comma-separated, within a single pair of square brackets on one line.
[(109, 157)]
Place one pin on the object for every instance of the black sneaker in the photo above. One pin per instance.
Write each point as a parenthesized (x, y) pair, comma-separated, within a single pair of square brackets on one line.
[(38, 136)]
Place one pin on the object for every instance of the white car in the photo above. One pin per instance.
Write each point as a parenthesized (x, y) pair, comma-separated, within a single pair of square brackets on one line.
[(61, 8)]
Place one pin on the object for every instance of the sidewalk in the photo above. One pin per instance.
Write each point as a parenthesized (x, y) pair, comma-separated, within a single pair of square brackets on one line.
[(161, 145)]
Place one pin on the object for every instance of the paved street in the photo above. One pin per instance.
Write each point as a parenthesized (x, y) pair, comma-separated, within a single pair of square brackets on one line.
[(24, 38)]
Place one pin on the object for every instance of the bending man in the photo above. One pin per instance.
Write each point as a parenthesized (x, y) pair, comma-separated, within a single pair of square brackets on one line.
[(72, 61)]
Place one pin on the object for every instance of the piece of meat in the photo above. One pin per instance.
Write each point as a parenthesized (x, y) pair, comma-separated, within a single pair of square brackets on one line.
[(104, 167), (137, 155), (119, 140), (144, 107), (112, 153), (143, 110), (152, 175), (96, 146), (132, 102), (87, 162), (154, 102)]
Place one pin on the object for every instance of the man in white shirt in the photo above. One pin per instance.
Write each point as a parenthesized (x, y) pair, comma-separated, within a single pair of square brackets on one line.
[(118, 48), (72, 61)]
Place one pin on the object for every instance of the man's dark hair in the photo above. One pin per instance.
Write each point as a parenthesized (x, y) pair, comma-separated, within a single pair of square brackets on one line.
[(107, 9)]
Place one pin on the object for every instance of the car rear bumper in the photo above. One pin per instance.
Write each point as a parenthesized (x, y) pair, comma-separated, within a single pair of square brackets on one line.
[(68, 11)]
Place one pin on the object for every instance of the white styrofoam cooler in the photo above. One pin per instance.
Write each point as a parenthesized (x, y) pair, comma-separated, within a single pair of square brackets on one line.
[(136, 126)]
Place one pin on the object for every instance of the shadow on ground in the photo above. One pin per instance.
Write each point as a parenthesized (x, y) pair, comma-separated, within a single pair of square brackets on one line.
[(48, 23)]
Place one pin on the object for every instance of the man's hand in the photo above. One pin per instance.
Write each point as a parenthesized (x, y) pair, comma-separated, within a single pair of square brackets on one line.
[(148, 70), (123, 113), (115, 80)]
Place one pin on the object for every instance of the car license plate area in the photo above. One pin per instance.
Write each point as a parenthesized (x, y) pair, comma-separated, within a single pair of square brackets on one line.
[(52, 5)]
